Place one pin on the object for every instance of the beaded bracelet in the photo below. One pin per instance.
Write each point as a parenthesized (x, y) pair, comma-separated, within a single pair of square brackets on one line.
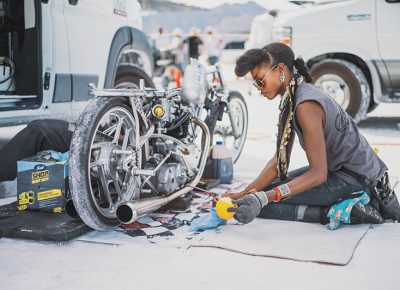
[(281, 192)]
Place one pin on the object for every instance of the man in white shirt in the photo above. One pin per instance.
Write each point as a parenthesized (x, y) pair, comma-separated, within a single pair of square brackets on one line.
[(261, 30), (212, 45)]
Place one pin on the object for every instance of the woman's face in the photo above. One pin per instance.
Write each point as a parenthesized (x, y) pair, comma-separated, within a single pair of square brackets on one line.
[(266, 80)]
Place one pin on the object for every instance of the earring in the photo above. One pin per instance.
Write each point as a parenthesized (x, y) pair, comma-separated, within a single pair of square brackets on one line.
[(282, 78)]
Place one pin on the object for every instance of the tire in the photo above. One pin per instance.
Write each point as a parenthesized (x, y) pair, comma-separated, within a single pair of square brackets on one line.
[(129, 76), (346, 83), (236, 97), (79, 172)]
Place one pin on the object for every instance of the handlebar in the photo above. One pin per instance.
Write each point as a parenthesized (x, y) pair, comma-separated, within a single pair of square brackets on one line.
[(151, 93), (136, 93)]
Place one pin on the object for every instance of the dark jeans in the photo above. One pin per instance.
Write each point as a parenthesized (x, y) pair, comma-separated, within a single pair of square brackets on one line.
[(37, 136), (323, 195)]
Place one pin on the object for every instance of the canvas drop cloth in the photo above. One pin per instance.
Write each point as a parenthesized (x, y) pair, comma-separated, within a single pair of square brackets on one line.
[(269, 238), (288, 240)]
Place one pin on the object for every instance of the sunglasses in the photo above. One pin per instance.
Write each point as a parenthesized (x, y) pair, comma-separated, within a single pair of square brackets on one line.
[(260, 83)]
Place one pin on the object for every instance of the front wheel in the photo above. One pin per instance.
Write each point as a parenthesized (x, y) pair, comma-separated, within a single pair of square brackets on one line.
[(346, 84), (98, 184), (235, 112)]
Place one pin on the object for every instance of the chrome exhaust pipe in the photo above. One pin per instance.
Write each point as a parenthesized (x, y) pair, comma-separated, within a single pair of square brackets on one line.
[(130, 211)]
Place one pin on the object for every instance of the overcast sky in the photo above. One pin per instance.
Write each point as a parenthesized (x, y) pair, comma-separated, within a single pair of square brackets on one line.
[(270, 4)]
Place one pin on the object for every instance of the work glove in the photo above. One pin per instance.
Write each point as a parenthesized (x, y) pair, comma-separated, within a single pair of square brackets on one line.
[(249, 206)]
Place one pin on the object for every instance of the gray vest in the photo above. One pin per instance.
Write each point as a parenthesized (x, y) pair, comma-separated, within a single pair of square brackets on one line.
[(345, 146)]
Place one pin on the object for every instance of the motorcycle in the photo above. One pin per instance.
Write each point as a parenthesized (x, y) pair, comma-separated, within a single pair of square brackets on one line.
[(135, 150)]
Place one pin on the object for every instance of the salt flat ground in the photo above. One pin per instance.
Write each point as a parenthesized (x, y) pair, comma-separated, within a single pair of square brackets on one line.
[(80, 265)]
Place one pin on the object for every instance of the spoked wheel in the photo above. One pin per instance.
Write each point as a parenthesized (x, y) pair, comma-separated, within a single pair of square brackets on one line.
[(223, 129), (104, 136)]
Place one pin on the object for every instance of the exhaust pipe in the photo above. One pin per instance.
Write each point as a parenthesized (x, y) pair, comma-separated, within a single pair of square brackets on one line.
[(128, 212)]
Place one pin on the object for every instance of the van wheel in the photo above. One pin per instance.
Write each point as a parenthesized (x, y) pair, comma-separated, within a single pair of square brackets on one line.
[(129, 76), (346, 84)]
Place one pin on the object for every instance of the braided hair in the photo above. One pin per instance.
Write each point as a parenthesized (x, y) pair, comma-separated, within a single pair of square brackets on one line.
[(273, 54)]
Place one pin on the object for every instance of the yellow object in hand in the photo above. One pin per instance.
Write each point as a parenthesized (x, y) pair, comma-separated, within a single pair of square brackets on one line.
[(222, 208)]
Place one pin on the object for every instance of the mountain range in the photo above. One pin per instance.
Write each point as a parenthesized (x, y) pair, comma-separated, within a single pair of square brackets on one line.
[(226, 18)]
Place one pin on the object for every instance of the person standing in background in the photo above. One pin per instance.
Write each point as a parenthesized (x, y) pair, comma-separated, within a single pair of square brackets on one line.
[(161, 39), (212, 45), (261, 30), (193, 42), (176, 47), (176, 42)]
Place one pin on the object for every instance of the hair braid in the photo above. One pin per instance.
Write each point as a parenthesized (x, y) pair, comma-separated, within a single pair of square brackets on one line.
[(302, 69)]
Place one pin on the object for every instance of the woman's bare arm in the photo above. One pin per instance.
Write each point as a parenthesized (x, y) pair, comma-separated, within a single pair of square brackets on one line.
[(311, 118)]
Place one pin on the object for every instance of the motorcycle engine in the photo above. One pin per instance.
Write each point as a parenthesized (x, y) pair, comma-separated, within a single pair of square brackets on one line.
[(170, 177), (177, 169)]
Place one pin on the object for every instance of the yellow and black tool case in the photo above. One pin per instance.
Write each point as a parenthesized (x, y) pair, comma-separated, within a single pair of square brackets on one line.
[(42, 182)]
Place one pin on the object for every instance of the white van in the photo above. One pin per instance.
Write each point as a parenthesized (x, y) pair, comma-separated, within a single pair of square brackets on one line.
[(352, 48), (50, 50)]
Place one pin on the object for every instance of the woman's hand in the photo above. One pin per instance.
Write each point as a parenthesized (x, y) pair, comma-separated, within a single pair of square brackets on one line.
[(235, 195), (232, 195), (238, 195), (249, 206)]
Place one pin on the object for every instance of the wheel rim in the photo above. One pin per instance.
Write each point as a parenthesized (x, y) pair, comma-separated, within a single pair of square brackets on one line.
[(336, 88), (109, 184), (223, 129)]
